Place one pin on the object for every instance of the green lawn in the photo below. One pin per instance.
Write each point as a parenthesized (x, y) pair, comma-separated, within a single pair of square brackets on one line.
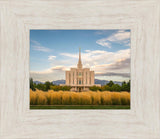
[(79, 107)]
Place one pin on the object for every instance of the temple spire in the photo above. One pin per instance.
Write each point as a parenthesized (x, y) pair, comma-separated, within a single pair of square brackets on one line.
[(79, 55), (79, 65)]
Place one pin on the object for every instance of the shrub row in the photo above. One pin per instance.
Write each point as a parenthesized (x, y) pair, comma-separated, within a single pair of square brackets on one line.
[(51, 97)]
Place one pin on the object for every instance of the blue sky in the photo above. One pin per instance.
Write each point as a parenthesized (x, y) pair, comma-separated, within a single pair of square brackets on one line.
[(107, 52)]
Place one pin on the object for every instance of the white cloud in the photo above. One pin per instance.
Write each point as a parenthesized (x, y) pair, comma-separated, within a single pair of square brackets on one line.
[(51, 74), (60, 68), (103, 42), (51, 57), (69, 55), (121, 37), (38, 47), (97, 57), (87, 50), (41, 48)]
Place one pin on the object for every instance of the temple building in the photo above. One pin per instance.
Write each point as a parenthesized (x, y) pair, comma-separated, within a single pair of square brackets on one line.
[(80, 79)]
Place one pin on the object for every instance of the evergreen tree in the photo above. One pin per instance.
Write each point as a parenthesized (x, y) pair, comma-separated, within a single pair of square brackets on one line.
[(125, 86), (32, 84)]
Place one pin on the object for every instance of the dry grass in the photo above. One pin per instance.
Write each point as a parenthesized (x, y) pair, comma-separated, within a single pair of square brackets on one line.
[(83, 98)]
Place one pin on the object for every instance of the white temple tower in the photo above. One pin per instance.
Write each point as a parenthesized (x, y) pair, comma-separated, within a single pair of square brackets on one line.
[(80, 79)]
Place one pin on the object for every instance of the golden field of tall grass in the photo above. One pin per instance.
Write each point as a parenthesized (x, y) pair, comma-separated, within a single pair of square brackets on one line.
[(51, 97)]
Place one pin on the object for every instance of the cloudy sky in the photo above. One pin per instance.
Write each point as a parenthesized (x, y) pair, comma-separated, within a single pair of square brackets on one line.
[(52, 52)]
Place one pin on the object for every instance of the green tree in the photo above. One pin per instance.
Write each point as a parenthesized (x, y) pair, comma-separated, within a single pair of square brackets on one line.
[(105, 88), (32, 84), (47, 85), (94, 88), (55, 87), (110, 84), (126, 86), (66, 88), (41, 87), (116, 88)]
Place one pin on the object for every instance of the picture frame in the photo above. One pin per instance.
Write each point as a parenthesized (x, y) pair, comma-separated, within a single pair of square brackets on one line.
[(18, 17)]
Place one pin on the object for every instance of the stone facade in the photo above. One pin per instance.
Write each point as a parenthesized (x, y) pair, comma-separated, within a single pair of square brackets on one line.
[(80, 79)]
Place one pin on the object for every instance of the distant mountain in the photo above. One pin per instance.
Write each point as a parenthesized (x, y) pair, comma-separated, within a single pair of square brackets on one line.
[(104, 82), (38, 82), (97, 81), (57, 82)]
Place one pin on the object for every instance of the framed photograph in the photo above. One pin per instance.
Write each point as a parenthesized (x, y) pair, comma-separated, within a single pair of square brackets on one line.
[(79, 69), (96, 77)]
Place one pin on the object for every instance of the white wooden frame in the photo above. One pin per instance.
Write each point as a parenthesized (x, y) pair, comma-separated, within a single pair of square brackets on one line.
[(18, 121)]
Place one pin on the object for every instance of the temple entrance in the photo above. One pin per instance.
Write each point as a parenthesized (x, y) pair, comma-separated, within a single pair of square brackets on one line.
[(79, 89)]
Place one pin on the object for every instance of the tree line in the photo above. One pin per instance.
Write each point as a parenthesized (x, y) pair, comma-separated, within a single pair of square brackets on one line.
[(47, 86), (112, 87), (108, 87)]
